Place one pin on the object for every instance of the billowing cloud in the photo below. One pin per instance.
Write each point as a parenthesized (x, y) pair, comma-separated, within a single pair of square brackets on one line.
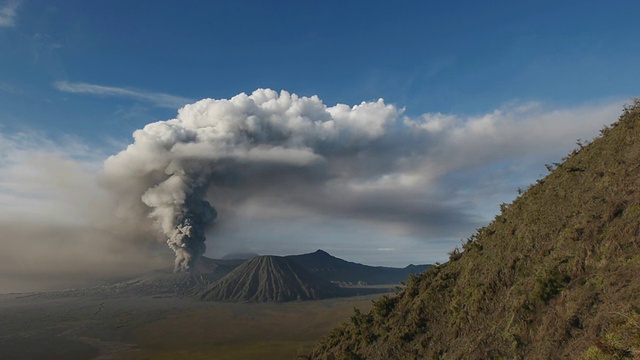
[(9, 13), (157, 99), (269, 152), (277, 173)]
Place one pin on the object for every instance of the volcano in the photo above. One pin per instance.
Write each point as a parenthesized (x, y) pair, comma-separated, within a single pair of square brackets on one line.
[(269, 279)]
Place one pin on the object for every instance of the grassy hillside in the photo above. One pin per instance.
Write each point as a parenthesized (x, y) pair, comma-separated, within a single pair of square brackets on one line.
[(555, 275)]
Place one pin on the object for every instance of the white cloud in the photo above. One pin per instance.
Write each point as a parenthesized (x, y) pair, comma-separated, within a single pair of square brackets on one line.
[(9, 13), (428, 177), (10, 88), (522, 132), (157, 99)]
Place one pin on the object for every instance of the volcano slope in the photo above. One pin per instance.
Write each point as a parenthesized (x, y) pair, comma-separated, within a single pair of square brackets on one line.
[(269, 279), (555, 275)]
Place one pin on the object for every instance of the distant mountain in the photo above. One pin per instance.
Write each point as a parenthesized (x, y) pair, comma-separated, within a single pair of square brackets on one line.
[(269, 279), (334, 269), (273, 278), (556, 275)]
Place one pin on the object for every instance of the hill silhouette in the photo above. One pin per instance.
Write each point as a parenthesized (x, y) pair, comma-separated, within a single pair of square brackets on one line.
[(555, 275), (335, 269), (269, 279)]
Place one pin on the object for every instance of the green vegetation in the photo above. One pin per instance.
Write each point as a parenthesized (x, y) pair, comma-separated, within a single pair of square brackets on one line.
[(555, 275)]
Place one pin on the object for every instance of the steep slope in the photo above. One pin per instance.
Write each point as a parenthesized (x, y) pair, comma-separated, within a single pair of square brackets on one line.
[(555, 275), (269, 279), (335, 269)]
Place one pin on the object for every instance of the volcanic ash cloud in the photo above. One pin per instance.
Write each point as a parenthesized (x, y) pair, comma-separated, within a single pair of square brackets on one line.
[(166, 173)]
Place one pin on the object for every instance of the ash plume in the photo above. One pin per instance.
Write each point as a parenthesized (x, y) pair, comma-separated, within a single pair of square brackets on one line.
[(272, 153), (183, 217), (172, 164)]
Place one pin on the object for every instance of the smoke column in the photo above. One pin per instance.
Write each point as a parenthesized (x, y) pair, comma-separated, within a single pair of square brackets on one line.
[(166, 173), (182, 214)]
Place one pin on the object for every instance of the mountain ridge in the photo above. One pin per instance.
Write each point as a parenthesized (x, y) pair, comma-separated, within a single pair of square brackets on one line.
[(338, 270)]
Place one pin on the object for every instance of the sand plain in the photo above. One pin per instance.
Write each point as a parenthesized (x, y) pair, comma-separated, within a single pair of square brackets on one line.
[(81, 326)]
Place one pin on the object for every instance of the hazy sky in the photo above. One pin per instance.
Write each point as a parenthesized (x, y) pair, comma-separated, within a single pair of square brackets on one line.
[(477, 97)]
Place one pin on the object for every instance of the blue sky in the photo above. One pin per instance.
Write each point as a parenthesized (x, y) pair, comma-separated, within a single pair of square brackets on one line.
[(462, 57), (78, 77)]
